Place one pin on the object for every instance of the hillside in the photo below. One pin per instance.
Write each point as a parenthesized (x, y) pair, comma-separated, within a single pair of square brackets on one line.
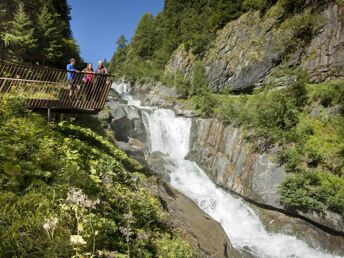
[(67, 191), (262, 69)]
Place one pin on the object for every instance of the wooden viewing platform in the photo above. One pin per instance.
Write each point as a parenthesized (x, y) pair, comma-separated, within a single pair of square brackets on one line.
[(47, 88)]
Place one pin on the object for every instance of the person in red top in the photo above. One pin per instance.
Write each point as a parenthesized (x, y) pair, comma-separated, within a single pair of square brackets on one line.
[(88, 79), (101, 69)]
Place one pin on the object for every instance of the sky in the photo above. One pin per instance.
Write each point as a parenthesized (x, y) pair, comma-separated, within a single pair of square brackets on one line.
[(97, 24)]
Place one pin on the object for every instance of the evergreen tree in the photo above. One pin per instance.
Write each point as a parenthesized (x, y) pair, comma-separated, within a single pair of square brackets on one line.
[(119, 58), (121, 42), (63, 9), (49, 34), (142, 41), (19, 38)]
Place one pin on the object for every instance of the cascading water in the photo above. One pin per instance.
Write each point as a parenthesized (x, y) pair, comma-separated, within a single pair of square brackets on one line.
[(170, 135), (122, 90)]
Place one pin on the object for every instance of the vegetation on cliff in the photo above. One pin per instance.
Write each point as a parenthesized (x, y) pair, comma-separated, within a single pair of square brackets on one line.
[(66, 190), (304, 120), (37, 31), (195, 25)]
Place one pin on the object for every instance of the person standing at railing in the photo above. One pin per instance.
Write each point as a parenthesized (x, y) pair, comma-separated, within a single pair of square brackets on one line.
[(88, 79), (101, 80), (101, 69), (72, 77)]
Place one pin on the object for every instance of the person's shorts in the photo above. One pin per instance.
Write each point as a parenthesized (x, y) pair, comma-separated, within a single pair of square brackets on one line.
[(72, 84)]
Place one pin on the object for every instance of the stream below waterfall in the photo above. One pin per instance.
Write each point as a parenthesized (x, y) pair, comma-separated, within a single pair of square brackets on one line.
[(170, 135)]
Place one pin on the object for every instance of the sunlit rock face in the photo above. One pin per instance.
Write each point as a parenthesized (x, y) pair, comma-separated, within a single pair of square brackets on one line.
[(324, 58), (247, 50), (230, 162)]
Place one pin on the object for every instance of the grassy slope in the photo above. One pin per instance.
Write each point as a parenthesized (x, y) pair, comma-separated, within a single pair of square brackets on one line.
[(64, 180)]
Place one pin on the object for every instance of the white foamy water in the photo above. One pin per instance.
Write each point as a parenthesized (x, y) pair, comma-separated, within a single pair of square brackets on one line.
[(122, 90), (170, 134)]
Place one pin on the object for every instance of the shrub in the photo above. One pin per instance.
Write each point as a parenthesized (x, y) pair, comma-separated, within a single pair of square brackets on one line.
[(315, 190), (67, 191)]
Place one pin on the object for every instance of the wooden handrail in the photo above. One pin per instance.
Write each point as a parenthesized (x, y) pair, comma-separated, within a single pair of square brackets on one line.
[(50, 69), (49, 88)]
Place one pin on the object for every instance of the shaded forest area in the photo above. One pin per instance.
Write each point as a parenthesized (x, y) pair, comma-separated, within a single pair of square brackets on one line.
[(37, 32)]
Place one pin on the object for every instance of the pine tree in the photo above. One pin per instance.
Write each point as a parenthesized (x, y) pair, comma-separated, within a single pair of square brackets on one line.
[(142, 41), (49, 34), (121, 42), (19, 38)]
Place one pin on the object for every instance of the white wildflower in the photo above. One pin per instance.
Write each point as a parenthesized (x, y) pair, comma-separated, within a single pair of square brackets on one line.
[(80, 199), (50, 226), (77, 240)]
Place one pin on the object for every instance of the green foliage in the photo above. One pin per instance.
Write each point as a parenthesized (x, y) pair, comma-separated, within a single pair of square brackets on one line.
[(67, 191), (313, 190), (172, 248), (199, 80), (329, 93), (290, 7), (192, 23), (272, 114), (121, 42), (49, 36), (19, 37), (142, 42), (37, 31)]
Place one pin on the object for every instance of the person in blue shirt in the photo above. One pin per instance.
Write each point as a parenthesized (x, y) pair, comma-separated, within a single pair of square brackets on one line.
[(71, 76)]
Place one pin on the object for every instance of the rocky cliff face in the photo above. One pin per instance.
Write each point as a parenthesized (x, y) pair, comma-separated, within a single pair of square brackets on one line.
[(230, 162), (324, 58), (227, 157), (248, 49)]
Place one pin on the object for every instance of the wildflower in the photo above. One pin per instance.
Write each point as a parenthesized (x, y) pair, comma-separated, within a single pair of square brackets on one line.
[(142, 235), (77, 240), (126, 231), (50, 226), (129, 216), (80, 199)]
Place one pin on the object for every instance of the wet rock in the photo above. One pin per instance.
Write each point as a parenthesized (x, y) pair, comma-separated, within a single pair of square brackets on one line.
[(184, 112), (114, 96), (207, 235), (134, 149), (159, 164), (125, 121), (151, 94), (328, 219), (229, 160)]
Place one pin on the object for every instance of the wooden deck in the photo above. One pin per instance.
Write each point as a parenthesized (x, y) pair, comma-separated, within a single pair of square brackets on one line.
[(46, 88)]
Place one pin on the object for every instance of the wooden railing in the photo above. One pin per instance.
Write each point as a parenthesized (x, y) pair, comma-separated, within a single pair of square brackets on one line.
[(46, 88)]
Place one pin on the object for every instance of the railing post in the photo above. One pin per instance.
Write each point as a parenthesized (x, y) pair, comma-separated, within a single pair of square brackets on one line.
[(49, 115)]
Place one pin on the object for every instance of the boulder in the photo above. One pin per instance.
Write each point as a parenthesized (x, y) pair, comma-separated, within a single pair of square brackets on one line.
[(125, 121)]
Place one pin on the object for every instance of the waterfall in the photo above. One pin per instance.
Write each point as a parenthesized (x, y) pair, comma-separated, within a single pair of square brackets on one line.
[(170, 135), (122, 90)]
